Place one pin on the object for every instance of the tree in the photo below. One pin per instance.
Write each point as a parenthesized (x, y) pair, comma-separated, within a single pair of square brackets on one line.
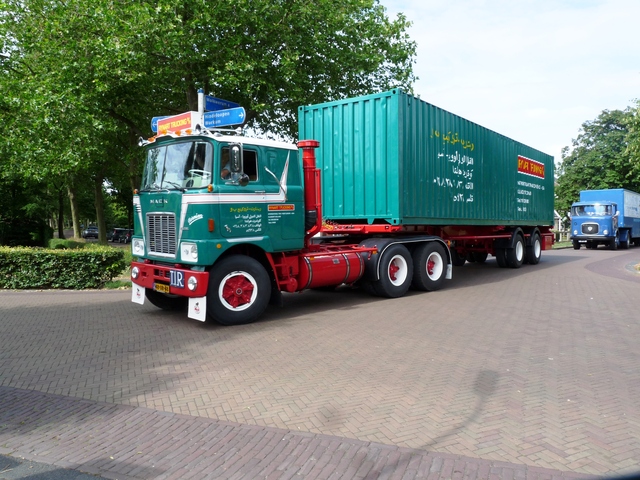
[(633, 148), (86, 76), (600, 159)]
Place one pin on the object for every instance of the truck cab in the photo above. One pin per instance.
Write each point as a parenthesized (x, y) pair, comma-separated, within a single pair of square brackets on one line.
[(594, 223)]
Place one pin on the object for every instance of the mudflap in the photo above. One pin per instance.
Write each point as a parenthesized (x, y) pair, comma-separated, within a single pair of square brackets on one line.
[(137, 294), (197, 308)]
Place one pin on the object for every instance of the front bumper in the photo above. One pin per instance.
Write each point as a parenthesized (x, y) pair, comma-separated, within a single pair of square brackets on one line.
[(173, 280), (591, 238)]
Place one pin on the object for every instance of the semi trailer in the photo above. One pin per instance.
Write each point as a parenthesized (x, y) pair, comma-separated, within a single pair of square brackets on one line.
[(382, 191)]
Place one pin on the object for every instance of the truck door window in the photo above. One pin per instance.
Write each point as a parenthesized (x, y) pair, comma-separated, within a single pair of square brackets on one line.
[(249, 165)]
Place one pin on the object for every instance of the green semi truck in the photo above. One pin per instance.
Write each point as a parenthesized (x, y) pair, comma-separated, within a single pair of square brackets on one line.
[(383, 191)]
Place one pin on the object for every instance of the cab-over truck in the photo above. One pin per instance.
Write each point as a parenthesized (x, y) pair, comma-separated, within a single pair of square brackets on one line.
[(609, 217), (383, 191)]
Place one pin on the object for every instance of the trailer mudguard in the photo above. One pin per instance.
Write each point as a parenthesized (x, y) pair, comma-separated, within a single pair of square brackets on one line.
[(509, 242), (372, 263)]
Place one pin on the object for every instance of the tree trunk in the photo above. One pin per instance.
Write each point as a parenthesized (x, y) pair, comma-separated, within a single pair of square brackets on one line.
[(60, 213), (71, 192), (99, 198)]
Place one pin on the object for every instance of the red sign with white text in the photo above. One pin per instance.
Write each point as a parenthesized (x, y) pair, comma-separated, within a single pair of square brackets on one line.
[(530, 167)]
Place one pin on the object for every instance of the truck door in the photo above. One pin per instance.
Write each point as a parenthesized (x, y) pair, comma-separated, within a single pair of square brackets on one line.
[(270, 206)]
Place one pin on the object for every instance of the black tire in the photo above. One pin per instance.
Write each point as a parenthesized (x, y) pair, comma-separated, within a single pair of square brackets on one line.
[(576, 245), (470, 257), (429, 267), (166, 301), (614, 242), (534, 251), (501, 257), (515, 255), (627, 243), (480, 257), (396, 272), (239, 291), (456, 259)]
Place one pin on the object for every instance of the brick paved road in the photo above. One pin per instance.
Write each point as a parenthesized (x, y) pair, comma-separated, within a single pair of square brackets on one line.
[(530, 372)]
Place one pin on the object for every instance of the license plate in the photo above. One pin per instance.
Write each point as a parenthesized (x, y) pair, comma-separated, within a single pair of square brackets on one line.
[(161, 287)]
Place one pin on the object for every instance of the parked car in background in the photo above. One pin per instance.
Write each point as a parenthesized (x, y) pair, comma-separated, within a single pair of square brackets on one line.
[(116, 234), (125, 235), (90, 232)]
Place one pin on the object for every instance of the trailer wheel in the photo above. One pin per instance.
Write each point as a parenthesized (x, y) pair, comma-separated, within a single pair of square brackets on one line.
[(515, 255), (501, 257), (396, 271), (166, 301), (429, 267), (239, 291), (534, 251)]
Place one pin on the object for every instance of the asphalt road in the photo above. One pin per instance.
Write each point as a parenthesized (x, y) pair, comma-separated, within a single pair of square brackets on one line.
[(527, 373)]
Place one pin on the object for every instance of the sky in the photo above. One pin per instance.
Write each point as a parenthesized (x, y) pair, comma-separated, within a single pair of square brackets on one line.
[(533, 70)]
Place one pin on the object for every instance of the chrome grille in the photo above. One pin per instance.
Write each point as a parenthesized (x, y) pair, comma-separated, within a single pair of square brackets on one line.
[(161, 234), (590, 228)]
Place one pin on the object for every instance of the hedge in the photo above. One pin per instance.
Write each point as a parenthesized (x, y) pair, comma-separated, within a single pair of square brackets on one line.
[(39, 268)]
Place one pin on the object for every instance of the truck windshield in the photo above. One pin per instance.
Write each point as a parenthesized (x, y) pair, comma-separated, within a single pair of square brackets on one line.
[(591, 210), (178, 166)]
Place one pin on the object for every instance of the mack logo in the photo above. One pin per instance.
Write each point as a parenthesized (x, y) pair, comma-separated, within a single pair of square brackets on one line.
[(158, 200)]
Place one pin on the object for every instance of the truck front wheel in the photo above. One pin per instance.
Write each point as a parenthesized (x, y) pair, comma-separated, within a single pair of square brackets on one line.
[(239, 291), (429, 267), (614, 242), (396, 272)]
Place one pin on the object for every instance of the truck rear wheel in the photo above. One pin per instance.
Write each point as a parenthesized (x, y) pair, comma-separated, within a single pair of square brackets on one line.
[(515, 255), (480, 257), (396, 272), (429, 267), (239, 291), (627, 243), (456, 259), (501, 257), (165, 301), (534, 251)]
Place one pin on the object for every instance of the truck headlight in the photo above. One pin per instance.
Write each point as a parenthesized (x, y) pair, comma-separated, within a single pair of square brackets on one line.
[(192, 283), (137, 247), (575, 232), (605, 231), (135, 272), (189, 252)]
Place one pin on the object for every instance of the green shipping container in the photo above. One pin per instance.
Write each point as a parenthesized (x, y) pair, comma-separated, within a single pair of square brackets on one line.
[(393, 158)]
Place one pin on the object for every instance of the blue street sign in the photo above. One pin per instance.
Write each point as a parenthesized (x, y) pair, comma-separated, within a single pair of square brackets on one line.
[(213, 103), (154, 123), (222, 118)]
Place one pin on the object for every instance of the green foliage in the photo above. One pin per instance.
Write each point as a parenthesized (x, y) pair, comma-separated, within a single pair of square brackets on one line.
[(81, 79), (62, 244), (601, 158), (633, 149), (30, 268)]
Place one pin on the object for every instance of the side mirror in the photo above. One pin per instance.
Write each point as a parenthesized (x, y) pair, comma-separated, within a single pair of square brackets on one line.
[(243, 181), (235, 158)]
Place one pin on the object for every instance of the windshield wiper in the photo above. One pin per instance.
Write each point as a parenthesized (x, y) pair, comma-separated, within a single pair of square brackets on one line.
[(176, 185)]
